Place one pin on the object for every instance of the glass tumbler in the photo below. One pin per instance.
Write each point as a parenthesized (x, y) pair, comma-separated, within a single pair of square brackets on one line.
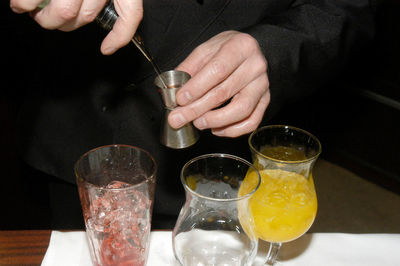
[(215, 226), (116, 187)]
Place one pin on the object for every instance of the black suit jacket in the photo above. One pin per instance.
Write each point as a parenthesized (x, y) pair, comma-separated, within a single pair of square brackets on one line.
[(78, 99)]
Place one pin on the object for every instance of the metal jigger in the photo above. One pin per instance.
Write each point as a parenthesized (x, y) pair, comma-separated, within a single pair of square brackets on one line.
[(182, 137)]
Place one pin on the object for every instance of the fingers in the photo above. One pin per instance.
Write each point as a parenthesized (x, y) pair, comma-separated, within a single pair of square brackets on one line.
[(57, 13), (249, 79), (88, 11), (202, 54), (246, 125), (68, 15), (228, 57), (65, 15), (130, 14), (232, 68), (240, 107), (250, 84), (21, 6)]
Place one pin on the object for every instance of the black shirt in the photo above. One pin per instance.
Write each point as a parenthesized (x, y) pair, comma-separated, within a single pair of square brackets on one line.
[(79, 99)]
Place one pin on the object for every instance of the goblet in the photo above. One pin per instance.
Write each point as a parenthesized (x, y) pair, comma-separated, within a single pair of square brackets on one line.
[(215, 226), (285, 205)]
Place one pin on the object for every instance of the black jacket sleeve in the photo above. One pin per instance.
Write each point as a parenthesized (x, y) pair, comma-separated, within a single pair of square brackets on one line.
[(311, 42)]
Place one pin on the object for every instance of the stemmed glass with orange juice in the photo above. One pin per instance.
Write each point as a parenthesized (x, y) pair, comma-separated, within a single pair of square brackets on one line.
[(285, 205)]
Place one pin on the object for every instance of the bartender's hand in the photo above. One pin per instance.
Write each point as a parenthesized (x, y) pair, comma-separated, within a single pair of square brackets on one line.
[(229, 66), (68, 15)]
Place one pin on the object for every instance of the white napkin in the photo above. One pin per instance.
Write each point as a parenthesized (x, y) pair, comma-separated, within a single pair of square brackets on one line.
[(337, 249), (67, 249), (71, 248)]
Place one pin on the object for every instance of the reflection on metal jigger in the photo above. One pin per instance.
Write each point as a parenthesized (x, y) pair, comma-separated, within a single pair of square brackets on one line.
[(174, 138)]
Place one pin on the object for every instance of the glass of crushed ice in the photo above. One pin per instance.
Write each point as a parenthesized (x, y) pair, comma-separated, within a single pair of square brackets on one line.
[(116, 186)]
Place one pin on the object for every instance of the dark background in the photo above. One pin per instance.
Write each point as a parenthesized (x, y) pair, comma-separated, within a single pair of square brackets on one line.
[(358, 124)]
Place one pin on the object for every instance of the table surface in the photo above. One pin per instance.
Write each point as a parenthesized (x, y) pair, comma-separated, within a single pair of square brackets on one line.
[(28, 247), (25, 247), (358, 214)]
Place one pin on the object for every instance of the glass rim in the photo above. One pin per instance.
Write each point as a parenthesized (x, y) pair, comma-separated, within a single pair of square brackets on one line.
[(148, 179), (252, 148), (220, 155)]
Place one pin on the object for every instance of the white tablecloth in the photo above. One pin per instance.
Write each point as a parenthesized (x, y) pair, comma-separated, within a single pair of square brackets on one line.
[(336, 249)]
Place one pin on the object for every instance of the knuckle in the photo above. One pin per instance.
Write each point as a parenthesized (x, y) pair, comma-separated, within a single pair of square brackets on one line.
[(244, 106), (263, 83), (222, 93), (138, 13), (120, 38), (88, 15), (203, 52), (133, 8), (247, 42), (67, 12), (14, 4), (218, 69), (21, 6), (266, 88), (192, 113), (48, 25), (265, 99), (198, 52), (266, 82), (252, 125), (261, 64)]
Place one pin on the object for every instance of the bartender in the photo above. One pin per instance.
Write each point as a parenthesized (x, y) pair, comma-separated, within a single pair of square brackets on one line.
[(247, 60)]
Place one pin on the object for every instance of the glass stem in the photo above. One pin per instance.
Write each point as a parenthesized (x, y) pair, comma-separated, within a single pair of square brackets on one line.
[(273, 253)]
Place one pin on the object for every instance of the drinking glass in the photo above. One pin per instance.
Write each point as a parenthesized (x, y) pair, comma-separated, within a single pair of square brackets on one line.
[(215, 226), (285, 205), (116, 187)]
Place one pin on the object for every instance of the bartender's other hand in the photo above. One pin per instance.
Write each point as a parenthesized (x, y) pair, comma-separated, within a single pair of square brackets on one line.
[(228, 67), (68, 15)]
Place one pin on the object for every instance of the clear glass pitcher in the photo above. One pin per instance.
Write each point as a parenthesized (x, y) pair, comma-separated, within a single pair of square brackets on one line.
[(215, 226)]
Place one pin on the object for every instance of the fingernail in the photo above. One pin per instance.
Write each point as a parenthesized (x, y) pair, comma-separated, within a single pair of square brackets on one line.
[(177, 120), (200, 123), (16, 9), (218, 132), (184, 98), (109, 50)]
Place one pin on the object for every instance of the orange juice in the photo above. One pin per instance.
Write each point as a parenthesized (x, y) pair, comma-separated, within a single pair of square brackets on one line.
[(284, 207)]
